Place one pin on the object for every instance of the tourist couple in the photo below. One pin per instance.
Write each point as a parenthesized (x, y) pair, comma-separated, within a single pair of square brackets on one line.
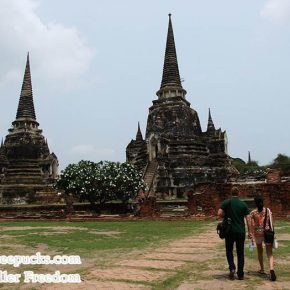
[(257, 221)]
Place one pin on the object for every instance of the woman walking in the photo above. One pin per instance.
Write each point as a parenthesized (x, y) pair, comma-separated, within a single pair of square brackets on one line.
[(261, 221)]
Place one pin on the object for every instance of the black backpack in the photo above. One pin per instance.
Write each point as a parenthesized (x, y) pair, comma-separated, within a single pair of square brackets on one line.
[(223, 228)]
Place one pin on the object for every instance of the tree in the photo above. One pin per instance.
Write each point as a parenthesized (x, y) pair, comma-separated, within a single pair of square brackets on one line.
[(101, 182), (126, 181), (239, 164), (282, 162), (82, 180), (251, 168), (119, 181)]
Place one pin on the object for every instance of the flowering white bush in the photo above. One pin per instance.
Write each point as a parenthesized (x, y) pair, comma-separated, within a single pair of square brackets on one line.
[(101, 182)]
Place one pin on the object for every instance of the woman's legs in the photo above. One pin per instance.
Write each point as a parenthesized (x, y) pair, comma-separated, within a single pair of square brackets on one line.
[(270, 256), (260, 256), (271, 262)]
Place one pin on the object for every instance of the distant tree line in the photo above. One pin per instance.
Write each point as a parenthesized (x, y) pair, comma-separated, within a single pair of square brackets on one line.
[(281, 162)]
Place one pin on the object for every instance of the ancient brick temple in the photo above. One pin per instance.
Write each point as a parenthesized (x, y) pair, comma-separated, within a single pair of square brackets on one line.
[(175, 154), (27, 168)]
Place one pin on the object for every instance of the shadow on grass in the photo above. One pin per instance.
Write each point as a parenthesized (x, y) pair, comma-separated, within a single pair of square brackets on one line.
[(257, 274), (221, 277)]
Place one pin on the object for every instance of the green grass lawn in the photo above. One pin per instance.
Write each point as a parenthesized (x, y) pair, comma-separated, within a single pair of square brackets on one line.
[(102, 243), (83, 237)]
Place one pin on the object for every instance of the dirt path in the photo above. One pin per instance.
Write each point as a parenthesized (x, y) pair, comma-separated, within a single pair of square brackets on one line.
[(192, 263), (150, 267)]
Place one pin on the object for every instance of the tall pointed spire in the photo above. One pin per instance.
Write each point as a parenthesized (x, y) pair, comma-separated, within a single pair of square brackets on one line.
[(210, 124), (139, 136), (25, 105), (170, 75), (171, 84), (249, 157)]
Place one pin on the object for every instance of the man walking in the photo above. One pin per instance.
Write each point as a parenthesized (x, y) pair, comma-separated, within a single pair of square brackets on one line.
[(236, 210)]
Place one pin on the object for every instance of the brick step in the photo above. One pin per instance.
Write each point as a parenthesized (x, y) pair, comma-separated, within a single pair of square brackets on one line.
[(24, 162), (15, 169), (150, 171), (14, 180), (149, 176), (23, 172), (190, 154), (23, 165), (177, 149)]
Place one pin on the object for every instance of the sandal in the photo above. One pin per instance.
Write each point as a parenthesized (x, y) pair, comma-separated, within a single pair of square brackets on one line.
[(261, 272)]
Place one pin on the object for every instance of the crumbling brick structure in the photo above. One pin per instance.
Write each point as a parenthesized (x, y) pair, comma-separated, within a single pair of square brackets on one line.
[(27, 168), (175, 153), (208, 197)]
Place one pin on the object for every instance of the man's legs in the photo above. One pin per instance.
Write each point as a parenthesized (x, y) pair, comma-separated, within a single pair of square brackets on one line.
[(229, 252), (240, 242)]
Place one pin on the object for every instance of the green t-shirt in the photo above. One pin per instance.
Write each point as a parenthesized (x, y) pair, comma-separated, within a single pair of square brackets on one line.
[(237, 210)]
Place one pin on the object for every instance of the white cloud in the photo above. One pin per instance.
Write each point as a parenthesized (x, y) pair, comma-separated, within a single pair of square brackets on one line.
[(58, 53), (277, 11), (88, 150)]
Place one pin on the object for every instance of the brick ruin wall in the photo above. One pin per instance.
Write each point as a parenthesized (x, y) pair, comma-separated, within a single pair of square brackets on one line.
[(207, 198)]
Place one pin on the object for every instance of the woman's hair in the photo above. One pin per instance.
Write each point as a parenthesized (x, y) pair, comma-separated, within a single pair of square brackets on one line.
[(259, 202)]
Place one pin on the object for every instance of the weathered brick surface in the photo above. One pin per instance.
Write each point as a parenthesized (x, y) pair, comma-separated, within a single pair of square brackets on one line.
[(183, 154), (273, 176), (208, 197), (149, 207)]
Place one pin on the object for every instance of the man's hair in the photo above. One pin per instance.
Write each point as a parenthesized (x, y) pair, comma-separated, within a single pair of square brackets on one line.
[(235, 191)]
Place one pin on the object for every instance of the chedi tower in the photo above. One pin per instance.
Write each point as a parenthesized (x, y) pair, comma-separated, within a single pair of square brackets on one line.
[(27, 167), (175, 154)]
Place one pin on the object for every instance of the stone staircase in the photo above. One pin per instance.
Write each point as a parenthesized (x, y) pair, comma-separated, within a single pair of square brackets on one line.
[(173, 210), (149, 174)]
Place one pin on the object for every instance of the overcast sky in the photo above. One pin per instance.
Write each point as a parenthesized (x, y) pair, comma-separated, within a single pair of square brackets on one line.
[(96, 66)]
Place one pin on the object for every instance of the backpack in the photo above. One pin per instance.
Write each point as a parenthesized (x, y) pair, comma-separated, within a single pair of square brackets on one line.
[(223, 228)]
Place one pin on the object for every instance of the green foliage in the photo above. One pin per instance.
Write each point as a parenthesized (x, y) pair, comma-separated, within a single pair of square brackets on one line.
[(88, 236), (101, 182), (122, 180), (281, 162), (238, 163), (251, 168), (80, 179)]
